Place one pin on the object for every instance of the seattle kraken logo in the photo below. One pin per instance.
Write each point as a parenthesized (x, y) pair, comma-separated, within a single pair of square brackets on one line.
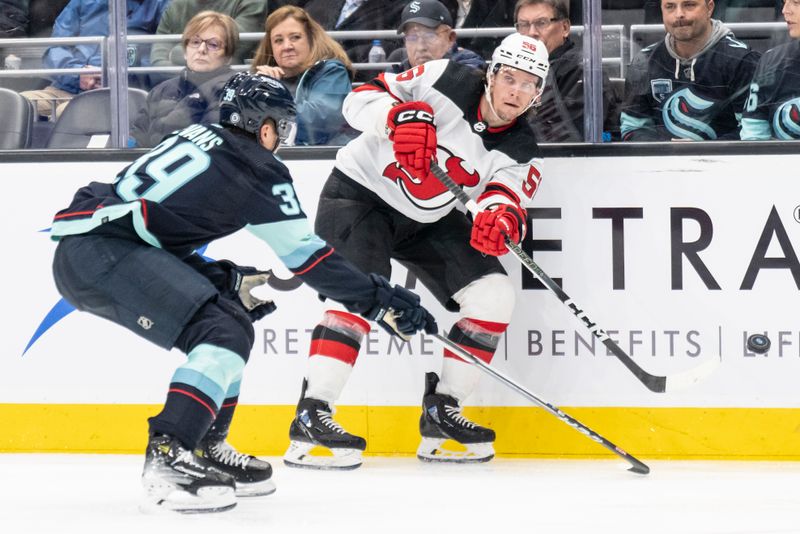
[(686, 116), (786, 121)]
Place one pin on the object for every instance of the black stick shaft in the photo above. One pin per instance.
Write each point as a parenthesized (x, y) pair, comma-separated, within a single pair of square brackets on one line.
[(657, 384), (637, 466)]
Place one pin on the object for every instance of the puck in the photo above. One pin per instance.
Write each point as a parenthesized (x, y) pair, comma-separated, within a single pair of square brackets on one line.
[(758, 343)]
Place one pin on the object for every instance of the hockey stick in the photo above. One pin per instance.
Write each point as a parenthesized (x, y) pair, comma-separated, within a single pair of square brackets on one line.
[(636, 465), (657, 384)]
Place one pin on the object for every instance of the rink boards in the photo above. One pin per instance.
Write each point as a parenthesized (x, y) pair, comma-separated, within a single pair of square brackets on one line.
[(677, 258)]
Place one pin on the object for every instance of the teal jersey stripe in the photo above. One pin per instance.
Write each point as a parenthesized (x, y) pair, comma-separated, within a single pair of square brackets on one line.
[(755, 130), (200, 381), (233, 389), (212, 370), (630, 123), (63, 228), (293, 241)]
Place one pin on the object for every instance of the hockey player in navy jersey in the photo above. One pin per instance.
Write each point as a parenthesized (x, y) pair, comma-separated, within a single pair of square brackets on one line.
[(381, 203), (126, 253), (692, 85), (773, 106)]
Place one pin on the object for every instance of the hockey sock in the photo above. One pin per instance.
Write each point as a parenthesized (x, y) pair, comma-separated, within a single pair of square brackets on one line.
[(335, 343), (459, 378), (222, 424), (196, 393)]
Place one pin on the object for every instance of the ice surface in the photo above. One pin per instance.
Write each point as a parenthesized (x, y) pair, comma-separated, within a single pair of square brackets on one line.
[(101, 493)]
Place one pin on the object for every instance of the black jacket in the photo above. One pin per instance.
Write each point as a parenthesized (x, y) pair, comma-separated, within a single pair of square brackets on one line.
[(13, 18), (371, 15), (484, 14), (559, 118), (191, 97)]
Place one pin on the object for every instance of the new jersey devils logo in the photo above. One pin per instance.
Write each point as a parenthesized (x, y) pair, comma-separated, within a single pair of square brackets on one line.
[(431, 194)]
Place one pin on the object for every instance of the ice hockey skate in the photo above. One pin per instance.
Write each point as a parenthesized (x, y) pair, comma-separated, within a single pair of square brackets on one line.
[(442, 420), (313, 426), (253, 477), (175, 479)]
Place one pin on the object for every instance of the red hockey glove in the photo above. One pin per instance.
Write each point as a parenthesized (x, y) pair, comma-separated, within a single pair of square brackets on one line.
[(412, 130), (491, 226)]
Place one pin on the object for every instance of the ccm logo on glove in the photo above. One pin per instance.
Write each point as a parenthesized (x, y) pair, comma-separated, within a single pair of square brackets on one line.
[(412, 130), (414, 115)]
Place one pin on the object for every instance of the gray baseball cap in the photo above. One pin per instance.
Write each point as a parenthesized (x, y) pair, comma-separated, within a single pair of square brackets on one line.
[(429, 13)]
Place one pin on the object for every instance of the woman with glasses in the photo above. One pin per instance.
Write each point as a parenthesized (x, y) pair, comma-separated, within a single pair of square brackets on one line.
[(209, 41), (296, 50)]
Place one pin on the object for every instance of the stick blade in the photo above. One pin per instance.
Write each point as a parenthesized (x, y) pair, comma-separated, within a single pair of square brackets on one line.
[(640, 469), (691, 377)]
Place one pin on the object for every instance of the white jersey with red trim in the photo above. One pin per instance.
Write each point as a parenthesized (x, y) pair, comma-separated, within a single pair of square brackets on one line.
[(496, 165)]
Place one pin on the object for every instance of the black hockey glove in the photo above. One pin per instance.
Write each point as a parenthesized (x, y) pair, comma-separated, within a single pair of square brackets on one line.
[(241, 281), (398, 311)]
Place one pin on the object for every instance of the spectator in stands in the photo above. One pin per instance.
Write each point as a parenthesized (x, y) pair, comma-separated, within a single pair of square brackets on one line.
[(13, 18), (559, 118), (693, 84), (427, 30), (248, 14), (209, 42), (773, 107), (42, 16), (296, 50), (351, 15), (81, 18), (481, 14)]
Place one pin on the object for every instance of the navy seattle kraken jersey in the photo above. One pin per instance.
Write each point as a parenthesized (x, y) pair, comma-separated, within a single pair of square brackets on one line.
[(701, 99), (773, 107), (207, 182)]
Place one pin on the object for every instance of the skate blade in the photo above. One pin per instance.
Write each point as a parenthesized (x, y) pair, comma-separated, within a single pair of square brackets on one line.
[(210, 499), (431, 450), (255, 489), (299, 455)]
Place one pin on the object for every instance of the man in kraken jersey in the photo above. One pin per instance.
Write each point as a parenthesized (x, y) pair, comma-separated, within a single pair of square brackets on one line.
[(382, 203), (773, 107), (126, 253), (693, 84)]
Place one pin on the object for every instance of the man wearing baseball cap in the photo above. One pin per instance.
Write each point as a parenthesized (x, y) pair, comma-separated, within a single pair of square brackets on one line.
[(427, 29)]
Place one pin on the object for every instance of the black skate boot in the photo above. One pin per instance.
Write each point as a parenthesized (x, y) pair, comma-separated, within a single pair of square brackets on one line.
[(174, 478), (442, 420), (253, 477), (313, 426)]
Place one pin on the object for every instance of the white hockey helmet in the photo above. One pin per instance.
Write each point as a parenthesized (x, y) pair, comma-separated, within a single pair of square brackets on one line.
[(523, 53)]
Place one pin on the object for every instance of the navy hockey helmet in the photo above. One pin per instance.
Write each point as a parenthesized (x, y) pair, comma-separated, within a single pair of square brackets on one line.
[(250, 99)]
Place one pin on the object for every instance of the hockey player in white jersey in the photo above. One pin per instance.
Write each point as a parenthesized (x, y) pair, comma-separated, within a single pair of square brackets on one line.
[(382, 203)]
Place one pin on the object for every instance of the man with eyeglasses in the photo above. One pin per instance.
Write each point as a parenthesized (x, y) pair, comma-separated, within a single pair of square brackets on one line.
[(691, 86), (560, 119), (427, 30), (84, 18)]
